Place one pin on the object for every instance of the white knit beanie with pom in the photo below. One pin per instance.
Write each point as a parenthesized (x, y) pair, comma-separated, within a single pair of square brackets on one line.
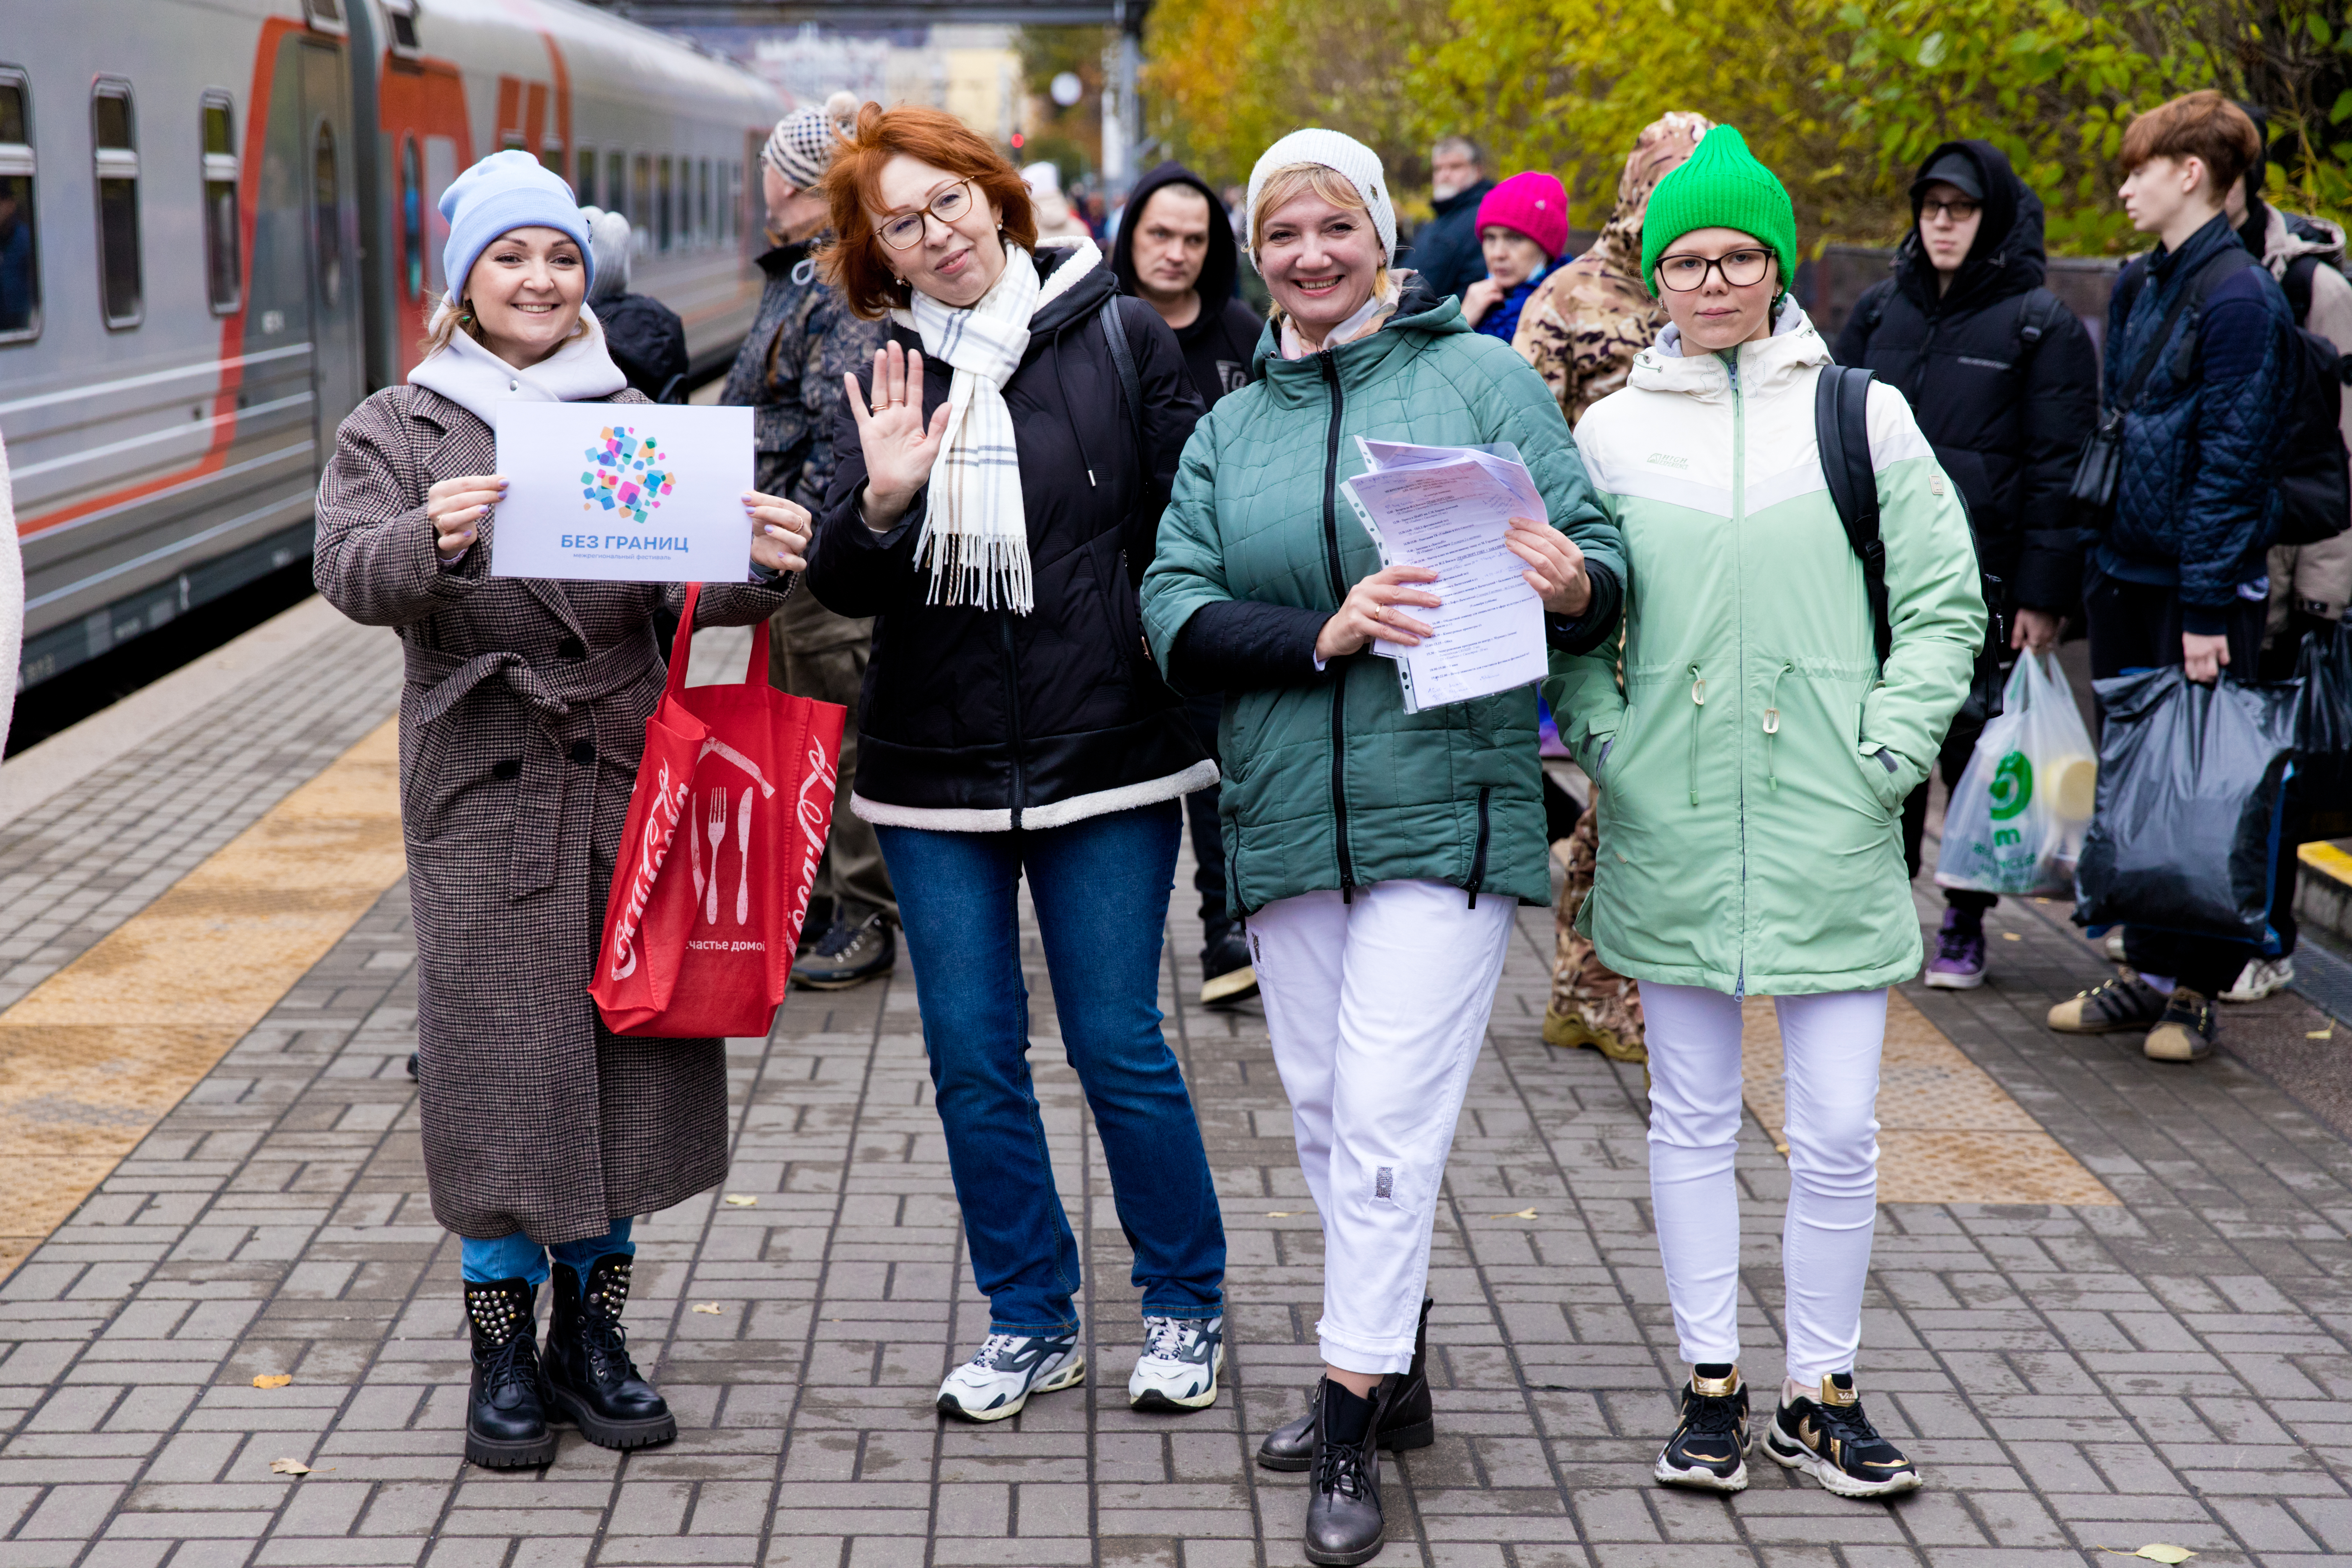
[(1344, 155), (802, 146)]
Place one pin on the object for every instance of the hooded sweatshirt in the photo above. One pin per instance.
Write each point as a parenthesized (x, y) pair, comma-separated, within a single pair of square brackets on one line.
[(2314, 579), (1219, 343), (1588, 319), (2002, 377)]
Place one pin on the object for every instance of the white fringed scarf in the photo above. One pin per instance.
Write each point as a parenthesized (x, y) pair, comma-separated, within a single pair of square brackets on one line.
[(975, 534)]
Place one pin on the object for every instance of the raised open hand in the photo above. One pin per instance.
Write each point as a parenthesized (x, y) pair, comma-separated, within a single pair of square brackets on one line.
[(900, 446)]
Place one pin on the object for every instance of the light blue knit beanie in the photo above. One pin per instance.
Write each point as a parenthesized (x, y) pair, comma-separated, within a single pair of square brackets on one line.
[(506, 191)]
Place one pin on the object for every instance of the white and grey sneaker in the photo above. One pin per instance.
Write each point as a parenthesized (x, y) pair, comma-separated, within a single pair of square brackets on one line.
[(2261, 978), (1177, 1368), (1006, 1370)]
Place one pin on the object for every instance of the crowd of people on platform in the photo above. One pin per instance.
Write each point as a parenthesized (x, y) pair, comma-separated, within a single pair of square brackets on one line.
[(1059, 521)]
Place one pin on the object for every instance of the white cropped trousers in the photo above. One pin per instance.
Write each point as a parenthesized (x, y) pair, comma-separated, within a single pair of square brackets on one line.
[(1377, 1009), (1831, 1047)]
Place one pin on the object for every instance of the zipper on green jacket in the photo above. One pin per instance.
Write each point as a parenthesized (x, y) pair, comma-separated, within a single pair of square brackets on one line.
[(1698, 703), (1739, 666), (1330, 368), (1772, 723)]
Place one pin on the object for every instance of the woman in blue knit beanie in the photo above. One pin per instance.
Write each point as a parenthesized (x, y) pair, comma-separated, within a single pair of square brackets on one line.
[(521, 726)]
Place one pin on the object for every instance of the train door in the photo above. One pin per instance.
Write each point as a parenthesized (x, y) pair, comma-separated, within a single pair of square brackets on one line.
[(329, 152)]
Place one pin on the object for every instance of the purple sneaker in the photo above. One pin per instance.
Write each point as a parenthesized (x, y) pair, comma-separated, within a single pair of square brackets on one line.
[(1959, 961)]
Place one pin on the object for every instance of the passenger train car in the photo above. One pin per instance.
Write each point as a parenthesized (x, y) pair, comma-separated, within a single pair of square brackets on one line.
[(218, 233)]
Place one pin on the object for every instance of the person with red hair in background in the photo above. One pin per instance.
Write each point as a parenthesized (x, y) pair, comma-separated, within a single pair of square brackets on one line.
[(996, 507)]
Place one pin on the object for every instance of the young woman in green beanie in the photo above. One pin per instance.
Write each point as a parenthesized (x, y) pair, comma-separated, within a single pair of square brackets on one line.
[(1753, 771)]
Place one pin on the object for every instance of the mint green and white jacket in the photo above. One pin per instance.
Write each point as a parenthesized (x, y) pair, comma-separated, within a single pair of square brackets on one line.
[(1753, 768)]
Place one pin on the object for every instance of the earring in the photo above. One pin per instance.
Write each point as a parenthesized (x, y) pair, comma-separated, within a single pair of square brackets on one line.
[(466, 313)]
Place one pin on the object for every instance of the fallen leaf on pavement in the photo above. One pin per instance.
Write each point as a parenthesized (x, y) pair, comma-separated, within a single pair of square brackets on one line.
[(1281, 1213), (1523, 1214), (2326, 1033), (2011, 936), (273, 1380), (289, 1468), (741, 1200), (2155, 1552), (709, 1307)]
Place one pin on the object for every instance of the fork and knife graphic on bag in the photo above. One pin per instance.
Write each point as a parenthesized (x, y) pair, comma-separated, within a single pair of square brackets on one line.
[(713, 824)]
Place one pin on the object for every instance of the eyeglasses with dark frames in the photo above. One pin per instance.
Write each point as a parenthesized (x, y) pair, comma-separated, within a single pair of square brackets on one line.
[(904, 231), (1958, 211), (1740, 268)]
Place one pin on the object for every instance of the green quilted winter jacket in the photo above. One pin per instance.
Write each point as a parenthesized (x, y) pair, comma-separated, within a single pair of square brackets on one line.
[(1753, 767), (1328, 782)]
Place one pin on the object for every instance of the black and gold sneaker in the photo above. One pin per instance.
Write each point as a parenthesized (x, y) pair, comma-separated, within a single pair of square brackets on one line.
[(1709, 1449), (1832, 1439)]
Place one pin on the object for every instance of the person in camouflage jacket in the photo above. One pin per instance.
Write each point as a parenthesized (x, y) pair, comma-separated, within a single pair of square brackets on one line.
[(789, 373), (1580, 330)]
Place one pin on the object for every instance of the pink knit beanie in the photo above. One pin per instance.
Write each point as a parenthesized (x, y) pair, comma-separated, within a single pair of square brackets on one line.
[(1533, 204)]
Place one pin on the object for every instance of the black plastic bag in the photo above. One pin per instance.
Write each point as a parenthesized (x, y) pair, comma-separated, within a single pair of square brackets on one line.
[(2191, 798), (2323, 762)]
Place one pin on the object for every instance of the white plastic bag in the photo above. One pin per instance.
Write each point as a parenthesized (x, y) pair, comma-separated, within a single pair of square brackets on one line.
[(2015, 821)]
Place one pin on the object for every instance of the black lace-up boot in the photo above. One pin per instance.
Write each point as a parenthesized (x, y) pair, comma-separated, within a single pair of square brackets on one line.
[(1409, 1424), (506, 1413), (591, 1380), (1343, 1503)]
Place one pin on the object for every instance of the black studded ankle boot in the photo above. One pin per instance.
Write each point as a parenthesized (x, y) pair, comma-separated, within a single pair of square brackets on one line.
[(506, 1416), (1344, 1525), (591, 1380), (1409, 1424)]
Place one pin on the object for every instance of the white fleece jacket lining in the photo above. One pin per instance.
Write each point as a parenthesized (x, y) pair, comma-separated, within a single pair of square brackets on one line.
[(1201, 774)]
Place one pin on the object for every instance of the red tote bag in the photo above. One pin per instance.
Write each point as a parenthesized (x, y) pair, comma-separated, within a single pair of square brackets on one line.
[(732, 804)]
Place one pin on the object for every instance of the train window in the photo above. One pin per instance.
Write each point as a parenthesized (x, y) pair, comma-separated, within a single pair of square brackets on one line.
[(663, 204), (327, 217), (510, 140), (223, 270), (703, 204), (551, 156), (20, 269), (617, 183), (120, 288), (583, 189), (406, 43), (412, 219), (641, 200), (327, 16)]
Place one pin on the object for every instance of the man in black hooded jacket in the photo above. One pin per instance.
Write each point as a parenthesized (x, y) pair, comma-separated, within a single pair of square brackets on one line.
[(2005, 385), (1175, 252)]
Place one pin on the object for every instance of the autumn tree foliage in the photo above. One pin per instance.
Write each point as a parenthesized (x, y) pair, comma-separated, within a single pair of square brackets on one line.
[(1843, 98)]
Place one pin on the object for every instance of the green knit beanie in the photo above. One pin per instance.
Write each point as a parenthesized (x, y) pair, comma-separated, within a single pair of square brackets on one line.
[(1719, 185)]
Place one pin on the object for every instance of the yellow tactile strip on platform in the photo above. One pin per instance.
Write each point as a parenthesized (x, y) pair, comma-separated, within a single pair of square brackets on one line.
[(1946, 1132), (92, 1058)]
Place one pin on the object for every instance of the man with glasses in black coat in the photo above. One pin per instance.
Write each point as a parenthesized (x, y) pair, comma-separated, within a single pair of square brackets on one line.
[(2005, 385)]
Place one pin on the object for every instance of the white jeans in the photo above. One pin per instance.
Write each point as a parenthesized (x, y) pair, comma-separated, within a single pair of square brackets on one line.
[(1831, 1046), (1377, 1009)]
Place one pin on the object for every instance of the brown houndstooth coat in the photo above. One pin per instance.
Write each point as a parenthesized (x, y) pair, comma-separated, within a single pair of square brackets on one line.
[(520, 729)]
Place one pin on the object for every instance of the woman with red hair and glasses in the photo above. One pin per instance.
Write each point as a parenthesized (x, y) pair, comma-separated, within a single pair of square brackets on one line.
[(997, 514)]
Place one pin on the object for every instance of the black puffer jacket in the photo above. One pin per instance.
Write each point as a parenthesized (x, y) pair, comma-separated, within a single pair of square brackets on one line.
[(2006, 412), (647, 341), (980, 720)]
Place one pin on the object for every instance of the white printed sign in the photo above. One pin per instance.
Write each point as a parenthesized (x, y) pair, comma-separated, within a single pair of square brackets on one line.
[(623, 493)]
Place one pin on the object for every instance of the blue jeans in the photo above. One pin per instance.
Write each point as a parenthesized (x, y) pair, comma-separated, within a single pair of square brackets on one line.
[(517, 1256), (1101, 888)]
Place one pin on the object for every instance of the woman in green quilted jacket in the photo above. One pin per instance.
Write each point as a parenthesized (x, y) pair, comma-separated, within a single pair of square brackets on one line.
[(1379, 855), (1753, 771)]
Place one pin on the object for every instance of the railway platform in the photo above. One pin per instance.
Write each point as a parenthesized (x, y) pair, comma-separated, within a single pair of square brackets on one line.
[(2111, 1305)]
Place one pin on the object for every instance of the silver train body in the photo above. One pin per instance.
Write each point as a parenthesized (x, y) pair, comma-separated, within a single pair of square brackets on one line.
[(218, 233)]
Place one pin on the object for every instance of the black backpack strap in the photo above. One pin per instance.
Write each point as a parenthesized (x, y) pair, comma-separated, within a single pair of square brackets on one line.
[(2297, 284), (1842, 429), (2037, 316), (1131, 381), (2221, 266)]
